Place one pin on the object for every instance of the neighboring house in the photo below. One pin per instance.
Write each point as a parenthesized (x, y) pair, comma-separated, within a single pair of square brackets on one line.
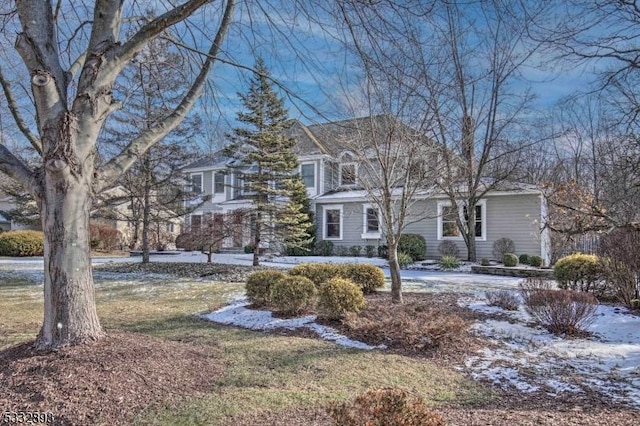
[(114, 208), (7, 203), (344, 212)]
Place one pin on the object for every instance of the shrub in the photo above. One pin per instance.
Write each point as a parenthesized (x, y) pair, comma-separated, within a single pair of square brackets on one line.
[(291, 295), (620, 259), (561, 311), (249, 248), (370, 251), (355, 251), (535, 261), (510, 259), (448, 263), (367, 277), (502, 246), (339, 296), (449, 248), (504, 299), (22, 243), (104, 237), (524, 259), (577, 271), (414, 245), (258, 286), (404, 259), (318, 273), (485, 261), (185, 241), (342, 251), (324, 248), (635, 304), (383, 251), (384, 407)]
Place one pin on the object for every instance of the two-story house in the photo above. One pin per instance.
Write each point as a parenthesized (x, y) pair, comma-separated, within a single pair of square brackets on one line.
[(345, 213)]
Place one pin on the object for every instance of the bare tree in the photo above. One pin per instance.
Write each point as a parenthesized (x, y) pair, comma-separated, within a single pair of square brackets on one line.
[(71, 105), (462, 62), (211, 232)]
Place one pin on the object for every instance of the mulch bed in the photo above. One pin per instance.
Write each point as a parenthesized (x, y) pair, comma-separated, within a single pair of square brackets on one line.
[(208, 271), (107, 382)]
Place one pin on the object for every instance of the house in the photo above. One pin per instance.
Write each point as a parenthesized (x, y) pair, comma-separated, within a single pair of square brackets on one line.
[(9, 204), (345, 213)]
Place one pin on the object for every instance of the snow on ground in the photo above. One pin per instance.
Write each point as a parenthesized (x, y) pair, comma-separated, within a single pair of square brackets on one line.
[(237, 314), (531, 359)]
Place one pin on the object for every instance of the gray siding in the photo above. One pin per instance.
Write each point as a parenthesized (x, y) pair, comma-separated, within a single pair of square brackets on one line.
[(515, 216)]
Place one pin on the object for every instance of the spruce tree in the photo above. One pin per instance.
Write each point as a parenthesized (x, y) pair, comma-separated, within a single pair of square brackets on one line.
[(296, 219), (263, 156)]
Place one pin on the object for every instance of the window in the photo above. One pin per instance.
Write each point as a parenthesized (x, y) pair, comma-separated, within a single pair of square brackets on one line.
[(370, 222), (308, 175), (196, 183), (218, 183), (170, 227), (347, 174), (478, 225), (448, 227), (449, 224), (332, 222)]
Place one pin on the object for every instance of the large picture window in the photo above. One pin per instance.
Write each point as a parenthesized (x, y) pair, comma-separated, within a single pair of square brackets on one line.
[(332, 228), (448, 226)]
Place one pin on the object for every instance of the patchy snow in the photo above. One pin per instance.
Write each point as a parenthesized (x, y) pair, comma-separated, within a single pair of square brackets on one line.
[(530, 358), (238, 314), (294, 260)]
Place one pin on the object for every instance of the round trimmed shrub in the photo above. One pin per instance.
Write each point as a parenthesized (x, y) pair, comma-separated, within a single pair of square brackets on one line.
[(535, 261), (502, 246), (318, 273), (449, 262), (414, 245), (448, 248), (485, 261), (577, 271), (339, 296), (404, 259), (367, 277), (510, 259), (524, 259), (323, 248), (291, 295), (258, 286), (22, 243)]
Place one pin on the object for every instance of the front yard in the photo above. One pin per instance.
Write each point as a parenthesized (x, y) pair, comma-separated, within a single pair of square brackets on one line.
[(185, 370)]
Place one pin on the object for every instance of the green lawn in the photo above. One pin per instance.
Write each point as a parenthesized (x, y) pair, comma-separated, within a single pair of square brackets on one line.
[(262, 371)]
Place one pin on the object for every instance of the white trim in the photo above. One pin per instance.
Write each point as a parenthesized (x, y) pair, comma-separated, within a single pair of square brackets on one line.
[(545, 240), (324, 221), (365, 234), (447, 203)]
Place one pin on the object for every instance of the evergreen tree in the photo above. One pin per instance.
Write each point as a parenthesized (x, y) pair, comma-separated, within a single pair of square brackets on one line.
[(264, 161), (296, 219)]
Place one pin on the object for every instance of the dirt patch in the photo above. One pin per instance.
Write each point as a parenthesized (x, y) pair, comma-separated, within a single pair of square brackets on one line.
[(107, 382)]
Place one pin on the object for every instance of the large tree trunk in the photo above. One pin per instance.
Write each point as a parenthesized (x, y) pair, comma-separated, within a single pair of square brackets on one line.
[(257, 239), (146, 210), (70, 315), (471, 231), (394, 271)]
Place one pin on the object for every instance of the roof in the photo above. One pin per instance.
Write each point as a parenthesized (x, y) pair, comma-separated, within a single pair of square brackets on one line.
[(217, 160)]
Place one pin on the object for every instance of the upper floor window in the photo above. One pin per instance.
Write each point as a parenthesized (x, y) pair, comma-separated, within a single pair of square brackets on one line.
[(196, 183), (347, 174), (218, 182), (308, 174)]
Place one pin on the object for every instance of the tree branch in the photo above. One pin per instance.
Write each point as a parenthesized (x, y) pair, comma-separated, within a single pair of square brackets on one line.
[(15, 168), (119, 164), (124, 53), (106, 23), (15, 112)]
